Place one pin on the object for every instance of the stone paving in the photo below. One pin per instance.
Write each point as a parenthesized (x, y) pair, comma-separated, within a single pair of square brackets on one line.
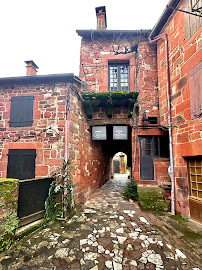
[(107, 233)]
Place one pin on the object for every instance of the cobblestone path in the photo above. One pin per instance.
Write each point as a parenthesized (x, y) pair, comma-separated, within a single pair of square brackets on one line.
[(107, 233)]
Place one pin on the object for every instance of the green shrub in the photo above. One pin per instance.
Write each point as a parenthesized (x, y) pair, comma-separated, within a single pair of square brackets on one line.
[(130, 191), (7, 237)]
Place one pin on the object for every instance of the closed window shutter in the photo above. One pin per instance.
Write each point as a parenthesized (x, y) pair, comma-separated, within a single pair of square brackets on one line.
[(21, 163), (195, 92), (191, 22), (15, 112), (27, 111), (21, 113)]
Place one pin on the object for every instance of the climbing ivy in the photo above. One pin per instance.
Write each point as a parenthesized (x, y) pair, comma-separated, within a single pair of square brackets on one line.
[(108, 100), (60, 201), (109, 110), (103, 96)]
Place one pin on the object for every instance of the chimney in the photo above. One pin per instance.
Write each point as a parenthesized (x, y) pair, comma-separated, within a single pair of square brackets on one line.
[(101, 18), (31, 68)]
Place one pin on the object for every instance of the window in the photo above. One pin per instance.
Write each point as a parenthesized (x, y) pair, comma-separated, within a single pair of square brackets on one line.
[(152, 120), (191, 22), (118, 77), (195, 92), (195, 177), (21, 163), (21, 113)]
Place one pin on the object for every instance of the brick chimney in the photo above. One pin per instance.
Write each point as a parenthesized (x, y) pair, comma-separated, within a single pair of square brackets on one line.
[(31, 68), (101, 18)]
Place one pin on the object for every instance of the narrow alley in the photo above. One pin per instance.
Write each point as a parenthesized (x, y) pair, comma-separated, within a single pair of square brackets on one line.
[(106, 233)]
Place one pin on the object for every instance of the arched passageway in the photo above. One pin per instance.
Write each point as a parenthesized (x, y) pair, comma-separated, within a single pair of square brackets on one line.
[(122, 148)]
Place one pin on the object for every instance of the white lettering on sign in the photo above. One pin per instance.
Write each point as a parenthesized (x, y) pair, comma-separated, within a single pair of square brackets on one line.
[(120, 132)]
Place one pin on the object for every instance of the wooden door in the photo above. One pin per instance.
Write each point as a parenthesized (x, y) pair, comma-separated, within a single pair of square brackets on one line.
[(146, 158), (195, 188)]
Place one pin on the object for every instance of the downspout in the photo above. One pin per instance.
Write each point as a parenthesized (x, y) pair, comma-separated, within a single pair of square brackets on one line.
[(67, 102), (136, 108), (171, 171), (67, 126)]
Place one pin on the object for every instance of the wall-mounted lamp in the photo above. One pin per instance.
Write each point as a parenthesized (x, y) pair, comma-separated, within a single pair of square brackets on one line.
[(144, 119)]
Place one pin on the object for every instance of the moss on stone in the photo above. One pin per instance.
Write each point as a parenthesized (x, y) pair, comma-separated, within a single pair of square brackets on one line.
[(109, 100), (8, 188), (114, 95), (152, 199)]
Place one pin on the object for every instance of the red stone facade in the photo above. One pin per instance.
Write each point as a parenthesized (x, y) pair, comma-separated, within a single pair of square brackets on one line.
[(89, 165), (185, 54), (48, 110), (97, 52), (91, 161)]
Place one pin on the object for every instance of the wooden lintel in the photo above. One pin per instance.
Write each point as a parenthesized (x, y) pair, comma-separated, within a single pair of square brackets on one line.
[(107, 121)]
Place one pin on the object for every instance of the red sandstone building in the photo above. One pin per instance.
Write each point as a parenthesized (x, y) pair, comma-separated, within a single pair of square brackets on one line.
[(46, 119), (178, 37)]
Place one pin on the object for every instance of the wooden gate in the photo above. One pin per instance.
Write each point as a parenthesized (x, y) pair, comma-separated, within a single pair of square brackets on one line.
[(31, 201)]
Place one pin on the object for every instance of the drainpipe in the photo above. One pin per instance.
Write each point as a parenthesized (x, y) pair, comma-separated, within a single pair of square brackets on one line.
[(171, 169), (67, 126)]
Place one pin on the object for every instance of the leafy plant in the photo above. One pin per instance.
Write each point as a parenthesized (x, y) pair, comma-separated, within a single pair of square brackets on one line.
[(60, 197), (130, 191), (11, 223)]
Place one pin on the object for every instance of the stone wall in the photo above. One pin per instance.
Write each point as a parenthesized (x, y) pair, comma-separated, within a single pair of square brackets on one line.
[(161, 170), (187, 135), (96, 54), (91, 166), (48, 111)]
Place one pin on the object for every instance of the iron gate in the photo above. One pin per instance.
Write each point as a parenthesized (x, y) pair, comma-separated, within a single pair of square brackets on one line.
[(31, 201)]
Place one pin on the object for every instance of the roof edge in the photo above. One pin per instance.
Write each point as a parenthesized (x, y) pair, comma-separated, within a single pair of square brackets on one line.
[(167, 12), (86, 33), (69, 77)]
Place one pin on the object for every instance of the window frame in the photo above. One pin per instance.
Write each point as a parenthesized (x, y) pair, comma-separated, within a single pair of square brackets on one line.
[(194, 165), (118, 88), (23, 106)]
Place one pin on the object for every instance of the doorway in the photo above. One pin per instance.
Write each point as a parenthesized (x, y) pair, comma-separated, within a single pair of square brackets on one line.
[(151, 147)]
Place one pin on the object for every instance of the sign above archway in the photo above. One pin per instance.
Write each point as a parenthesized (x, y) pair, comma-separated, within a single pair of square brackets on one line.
[(120, 133), (99, 133)]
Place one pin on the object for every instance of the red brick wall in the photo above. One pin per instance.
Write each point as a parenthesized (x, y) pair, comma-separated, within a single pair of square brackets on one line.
[(161, 170), (91, 167), (48, 110), (94, 58), (187, 136)]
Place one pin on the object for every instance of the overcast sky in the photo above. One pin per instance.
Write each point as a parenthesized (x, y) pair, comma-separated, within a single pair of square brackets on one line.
[(45, 30)]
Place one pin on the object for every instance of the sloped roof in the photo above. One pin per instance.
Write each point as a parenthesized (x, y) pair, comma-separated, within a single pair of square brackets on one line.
[(163, 18), (113, 33), (64, 77)]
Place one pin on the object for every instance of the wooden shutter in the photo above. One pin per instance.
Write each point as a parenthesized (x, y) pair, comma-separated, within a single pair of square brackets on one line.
[(21, 163), (15, 112), (21, 113), (191, 22), (27, 111), (195, 92)]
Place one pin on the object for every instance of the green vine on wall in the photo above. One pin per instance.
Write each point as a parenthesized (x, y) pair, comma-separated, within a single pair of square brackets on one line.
[(108, 100), (60, 203)]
